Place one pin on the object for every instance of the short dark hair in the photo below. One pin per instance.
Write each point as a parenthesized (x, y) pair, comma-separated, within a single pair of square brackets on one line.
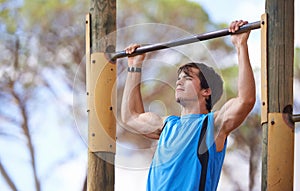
[(208, 79)]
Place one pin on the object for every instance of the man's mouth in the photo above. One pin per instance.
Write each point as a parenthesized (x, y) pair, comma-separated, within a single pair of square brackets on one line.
[(179, 89)]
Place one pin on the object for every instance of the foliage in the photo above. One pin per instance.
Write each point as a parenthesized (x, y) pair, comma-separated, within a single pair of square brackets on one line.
[(42, 43), (184, 14)]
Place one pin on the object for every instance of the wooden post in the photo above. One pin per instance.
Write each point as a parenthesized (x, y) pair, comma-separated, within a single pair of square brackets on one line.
[(278, 133), (101, 76)]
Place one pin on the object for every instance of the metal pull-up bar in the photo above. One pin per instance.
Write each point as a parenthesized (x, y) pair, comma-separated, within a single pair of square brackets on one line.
[(187, 40)]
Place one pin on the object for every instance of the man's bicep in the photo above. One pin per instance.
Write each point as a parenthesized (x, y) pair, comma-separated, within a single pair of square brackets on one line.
[(146, 123), (231, 115)]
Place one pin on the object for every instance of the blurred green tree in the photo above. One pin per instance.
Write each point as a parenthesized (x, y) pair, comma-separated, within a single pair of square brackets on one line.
[(42, 45)]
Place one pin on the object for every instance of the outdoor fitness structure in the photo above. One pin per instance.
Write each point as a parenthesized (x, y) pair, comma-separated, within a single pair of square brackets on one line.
[(277, 119)]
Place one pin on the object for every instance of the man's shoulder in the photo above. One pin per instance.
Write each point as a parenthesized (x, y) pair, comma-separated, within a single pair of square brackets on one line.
[(170, 118)]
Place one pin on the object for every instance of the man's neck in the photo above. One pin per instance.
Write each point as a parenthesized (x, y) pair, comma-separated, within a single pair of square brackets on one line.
[(193, 108)]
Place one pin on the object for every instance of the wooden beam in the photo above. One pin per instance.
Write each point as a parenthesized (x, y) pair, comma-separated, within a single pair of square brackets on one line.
[(278, 141), (101, 155)]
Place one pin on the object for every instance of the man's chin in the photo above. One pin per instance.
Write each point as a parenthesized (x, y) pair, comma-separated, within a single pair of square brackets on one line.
[(180, 101)]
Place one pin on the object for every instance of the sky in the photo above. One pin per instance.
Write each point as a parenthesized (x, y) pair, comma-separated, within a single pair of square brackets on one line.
[(229, 10)]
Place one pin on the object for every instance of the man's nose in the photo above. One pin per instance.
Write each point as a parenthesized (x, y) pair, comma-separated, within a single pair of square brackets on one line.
[(179, 82)]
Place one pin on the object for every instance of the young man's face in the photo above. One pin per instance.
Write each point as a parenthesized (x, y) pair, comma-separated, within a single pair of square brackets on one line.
[(188, 86)]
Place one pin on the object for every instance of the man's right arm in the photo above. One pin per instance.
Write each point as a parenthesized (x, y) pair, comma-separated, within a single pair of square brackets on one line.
[(132, 110)]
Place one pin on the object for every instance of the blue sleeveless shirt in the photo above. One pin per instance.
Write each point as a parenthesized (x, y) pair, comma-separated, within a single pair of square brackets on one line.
[(186, 158)]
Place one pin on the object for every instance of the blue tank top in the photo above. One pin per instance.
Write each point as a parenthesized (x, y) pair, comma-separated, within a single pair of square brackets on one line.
[(182, 161)]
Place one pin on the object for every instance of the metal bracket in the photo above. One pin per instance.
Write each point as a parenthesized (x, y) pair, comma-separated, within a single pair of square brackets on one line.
[(102, 122), (102, 127), (264, 75), (88, 55), (280, 140), (100, 87)]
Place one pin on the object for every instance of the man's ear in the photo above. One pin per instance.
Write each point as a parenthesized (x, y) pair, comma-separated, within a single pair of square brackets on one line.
[(206, 92)]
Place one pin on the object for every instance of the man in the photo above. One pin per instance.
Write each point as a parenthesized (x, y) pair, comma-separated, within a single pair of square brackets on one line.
[(191, 147)]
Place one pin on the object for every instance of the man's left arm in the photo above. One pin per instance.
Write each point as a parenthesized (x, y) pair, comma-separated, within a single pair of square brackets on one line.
[(234, 112)]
